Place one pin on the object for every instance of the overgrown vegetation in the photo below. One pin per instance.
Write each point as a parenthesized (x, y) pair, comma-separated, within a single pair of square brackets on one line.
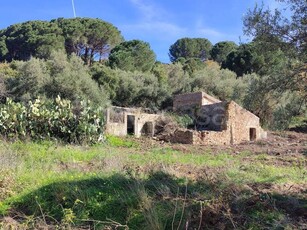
[(59, 75), (147, 186)]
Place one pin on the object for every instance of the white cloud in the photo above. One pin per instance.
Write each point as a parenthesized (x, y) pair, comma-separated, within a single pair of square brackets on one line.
[(209, 32), (157, 26), (154, 22), (148, 10), (214, 35), (160, 30)]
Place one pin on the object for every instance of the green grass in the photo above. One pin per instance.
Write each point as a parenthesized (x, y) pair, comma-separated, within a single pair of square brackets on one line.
[(135, 184), (261, 173), (120, 142), (169, 156)]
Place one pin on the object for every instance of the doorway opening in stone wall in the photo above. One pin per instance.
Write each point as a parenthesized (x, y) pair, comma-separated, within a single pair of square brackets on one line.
[(130, 124), (252, 134), (148, 129)]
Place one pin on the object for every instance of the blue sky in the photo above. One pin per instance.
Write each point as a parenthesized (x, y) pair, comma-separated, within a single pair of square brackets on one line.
[(158, 22)]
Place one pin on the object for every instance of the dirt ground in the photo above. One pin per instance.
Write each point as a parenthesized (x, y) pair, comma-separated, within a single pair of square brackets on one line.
[(277, 143), (283, 148)]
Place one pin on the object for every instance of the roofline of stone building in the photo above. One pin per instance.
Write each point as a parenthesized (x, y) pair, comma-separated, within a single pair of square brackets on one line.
[(134, 109), (210, 98), (203, 94), (245, 110)]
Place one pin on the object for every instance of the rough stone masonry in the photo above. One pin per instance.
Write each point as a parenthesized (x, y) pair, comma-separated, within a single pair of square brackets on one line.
[(215, 122)]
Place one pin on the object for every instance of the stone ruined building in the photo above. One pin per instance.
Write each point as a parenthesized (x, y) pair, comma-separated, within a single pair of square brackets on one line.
[(215, 122), (134, 121)]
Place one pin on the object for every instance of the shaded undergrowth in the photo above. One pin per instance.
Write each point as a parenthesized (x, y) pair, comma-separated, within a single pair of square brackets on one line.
[(159, 201)]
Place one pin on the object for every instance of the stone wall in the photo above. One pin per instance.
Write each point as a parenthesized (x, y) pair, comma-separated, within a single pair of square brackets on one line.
[(188, 136), (145, 124), (218, 123), (212, 138), (184, 136), (208, 100), (116, 129), (186, 101), (117, 122), (227, 123), (212, 117), (241, 122)]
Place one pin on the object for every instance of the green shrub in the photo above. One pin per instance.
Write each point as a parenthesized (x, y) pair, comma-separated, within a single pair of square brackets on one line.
[(183, 121), (220, 83), (57, 119), (59, 75)]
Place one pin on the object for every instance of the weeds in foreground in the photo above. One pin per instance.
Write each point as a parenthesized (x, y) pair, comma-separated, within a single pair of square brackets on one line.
[(124, 187), (159, 202)]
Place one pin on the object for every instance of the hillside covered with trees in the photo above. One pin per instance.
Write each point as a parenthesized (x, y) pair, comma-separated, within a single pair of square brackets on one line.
[(88, 59)]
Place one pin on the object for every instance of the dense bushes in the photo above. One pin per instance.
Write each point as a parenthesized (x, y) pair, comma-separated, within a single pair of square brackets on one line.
[(131, 89), (68, 77), (59, 75), (102, 85), (60, 119), (221, 83), (156, 89)]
